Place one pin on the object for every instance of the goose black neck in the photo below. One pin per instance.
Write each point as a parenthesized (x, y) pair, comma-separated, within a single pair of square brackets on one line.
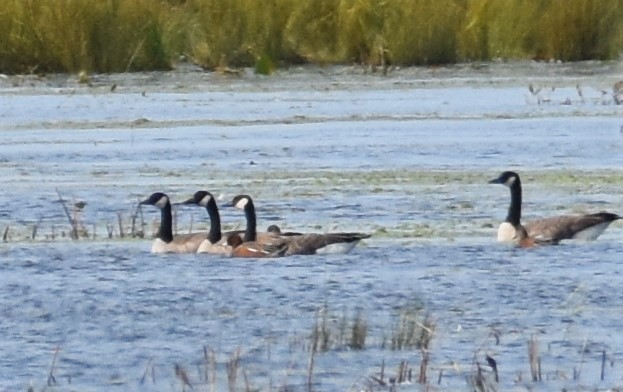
[(214, 235), (514, 210), (165, 233), (251, 232)]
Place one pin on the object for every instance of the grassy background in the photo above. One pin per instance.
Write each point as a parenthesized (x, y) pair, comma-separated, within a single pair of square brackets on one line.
[(137, 35)]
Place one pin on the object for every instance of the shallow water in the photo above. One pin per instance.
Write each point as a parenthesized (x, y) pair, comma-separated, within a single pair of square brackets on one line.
[(406, 157)]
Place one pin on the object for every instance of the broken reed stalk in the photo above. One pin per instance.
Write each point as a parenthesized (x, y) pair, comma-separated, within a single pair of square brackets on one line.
[(146, 372), (312, 355), (182, 375), (324, 329), (359, 333), (533, 357), (603, 365), (120, 222), (109, 229), (494, 366), (402, 372), (133, 224), (72, 222), (423, 366), (143, 224), (232, 370), (134, 232), (479, 381), (51, 378), (383, 371), (247, 385), (206, 362), (5, 236), (213, 371)]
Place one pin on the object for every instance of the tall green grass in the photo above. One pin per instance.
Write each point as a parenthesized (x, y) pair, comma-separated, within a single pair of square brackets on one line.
[(74, 35), (134, 35)]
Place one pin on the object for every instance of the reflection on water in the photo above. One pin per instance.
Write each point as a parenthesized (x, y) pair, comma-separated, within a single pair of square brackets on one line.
[(407, 161)]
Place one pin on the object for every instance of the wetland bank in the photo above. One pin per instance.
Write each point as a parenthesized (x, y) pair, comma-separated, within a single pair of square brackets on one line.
[(405, 156)]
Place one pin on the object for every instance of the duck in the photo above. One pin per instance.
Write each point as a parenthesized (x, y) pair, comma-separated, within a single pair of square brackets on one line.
[(255, 249), (215, 242), (550, 230), (165, 242), (275, 229), (298, 243)]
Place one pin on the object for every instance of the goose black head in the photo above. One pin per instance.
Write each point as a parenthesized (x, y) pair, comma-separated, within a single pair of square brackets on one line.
[(157, 199), (200, 198), (241, 201), (508, 178)]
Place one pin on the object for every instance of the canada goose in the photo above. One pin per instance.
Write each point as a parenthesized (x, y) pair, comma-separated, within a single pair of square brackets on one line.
[(215, 243), (165, 242), (548, 230), (301, 244)]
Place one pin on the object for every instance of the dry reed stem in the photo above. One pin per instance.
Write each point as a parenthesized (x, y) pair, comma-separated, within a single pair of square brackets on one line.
[(479, 381), (312, 355), (149, 367), (206, 361), (213, 371), (383, 371), (232, 370), (133, 231), (533, 357), (423, 366), (72, 222), (182, 375), (247, 385), (120, 222), (494, 366), (51, 378), (109, 229)]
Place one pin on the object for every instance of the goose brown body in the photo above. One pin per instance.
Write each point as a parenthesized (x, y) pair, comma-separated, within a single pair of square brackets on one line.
[(165, 242)]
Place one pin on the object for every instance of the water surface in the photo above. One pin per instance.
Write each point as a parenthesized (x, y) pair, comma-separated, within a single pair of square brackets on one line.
[(406, 157)]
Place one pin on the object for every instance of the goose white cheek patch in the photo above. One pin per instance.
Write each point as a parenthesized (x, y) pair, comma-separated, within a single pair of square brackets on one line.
[(511, 180), (162, 202), (242, 203), (204, 202)]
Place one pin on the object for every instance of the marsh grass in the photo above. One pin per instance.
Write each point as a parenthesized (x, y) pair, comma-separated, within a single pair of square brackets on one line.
[(137, 35), (202, 373), (75, 35), (410, 329)]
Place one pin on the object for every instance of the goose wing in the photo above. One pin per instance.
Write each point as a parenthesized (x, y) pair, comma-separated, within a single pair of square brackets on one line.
[(308, 244), (187, 243), (564, 227)]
